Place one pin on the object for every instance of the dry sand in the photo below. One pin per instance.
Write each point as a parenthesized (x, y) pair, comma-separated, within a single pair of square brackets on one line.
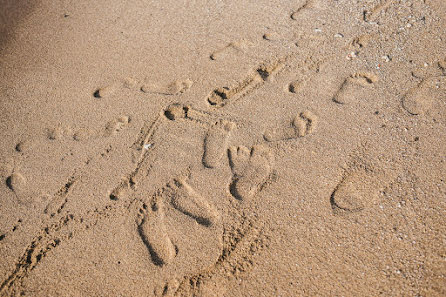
[(223, 148)]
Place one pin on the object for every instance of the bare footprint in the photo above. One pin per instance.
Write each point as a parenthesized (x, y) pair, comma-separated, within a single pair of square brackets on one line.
[(295, 86), (307, 4), (176, 87), (116, 125), (16, 183), (106, 91), (421, 99), (185, 199), (303, 124), (232, 47), (373, 14), (250, 168), (216, 143), (361, 184), (153, 233), (351, 85), (352, 193)]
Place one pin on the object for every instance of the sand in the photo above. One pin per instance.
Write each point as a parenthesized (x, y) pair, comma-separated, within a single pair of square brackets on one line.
[(223, 148)]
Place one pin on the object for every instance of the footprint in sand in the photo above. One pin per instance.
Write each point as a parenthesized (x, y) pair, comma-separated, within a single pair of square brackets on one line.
[(295, 86), (186, 200), (372, 15), (421, 99), (307, 4), (152, 229), (250, 169), (106, 91), (232, 47), (111, 89), (359, 188), (346, 94), (303, 124), (176, 87), (16, 183), (216, 143), (352, 193), (116, 125)]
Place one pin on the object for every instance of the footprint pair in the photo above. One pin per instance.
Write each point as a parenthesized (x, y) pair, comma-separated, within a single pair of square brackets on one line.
[(151, 226)]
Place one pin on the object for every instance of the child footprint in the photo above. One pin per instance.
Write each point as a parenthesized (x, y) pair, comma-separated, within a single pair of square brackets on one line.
[(302, 125), (216, 142), (185, 199), (250, 168), (153, 233)]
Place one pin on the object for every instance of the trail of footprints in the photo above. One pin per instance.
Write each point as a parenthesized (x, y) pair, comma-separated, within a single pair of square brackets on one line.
[(251, 167), (173, 88)]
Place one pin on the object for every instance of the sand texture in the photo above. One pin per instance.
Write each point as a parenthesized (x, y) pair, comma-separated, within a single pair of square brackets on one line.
[(223, 148)]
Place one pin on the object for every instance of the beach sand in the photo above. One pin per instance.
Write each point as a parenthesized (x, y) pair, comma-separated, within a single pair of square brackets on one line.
[(223, 148)]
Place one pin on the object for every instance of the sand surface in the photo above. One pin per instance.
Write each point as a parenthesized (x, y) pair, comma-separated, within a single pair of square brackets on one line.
[(223, 148)]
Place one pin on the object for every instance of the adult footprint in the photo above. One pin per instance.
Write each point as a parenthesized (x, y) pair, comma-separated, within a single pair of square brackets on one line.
[(250, 168), (153, 233), (302, 125), (216, 143), (185, 199)]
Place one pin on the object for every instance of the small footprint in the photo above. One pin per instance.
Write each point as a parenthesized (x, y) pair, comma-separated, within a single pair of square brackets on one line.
[(106, 91), (235, 46), (186, 200), (295, 86), (16, 183), (351, 193), (176, 87), (24, 146), (216, 142), (116, 125), (272, 36), (307, 4), (372, 15), (303, 124), (152, 229), (58, 132), (250, 168), (352, 84), (111, 89), (362, 41), (421, 99)]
